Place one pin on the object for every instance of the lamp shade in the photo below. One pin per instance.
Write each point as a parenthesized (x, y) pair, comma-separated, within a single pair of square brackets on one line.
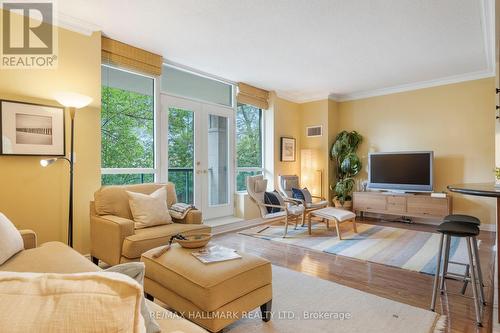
[(310, 171), (72, 100)]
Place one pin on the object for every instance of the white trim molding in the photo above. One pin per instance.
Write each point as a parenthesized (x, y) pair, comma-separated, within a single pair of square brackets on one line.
[(76, 25), (414, 86), (490, 72), (302, 98)]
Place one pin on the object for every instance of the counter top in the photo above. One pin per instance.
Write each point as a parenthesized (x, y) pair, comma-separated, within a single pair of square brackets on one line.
[(478, 189)]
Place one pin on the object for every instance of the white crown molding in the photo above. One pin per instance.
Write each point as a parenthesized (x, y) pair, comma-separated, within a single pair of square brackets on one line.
[(415, 86), (391, 90), (76, 25), (300, 99)]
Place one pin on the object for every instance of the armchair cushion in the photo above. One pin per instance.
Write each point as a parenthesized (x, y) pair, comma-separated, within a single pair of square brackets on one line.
[(317, 204), (149, 209), (260, 185), (256, 191), (286, 183), (50, 257), (148, 238), (295, 210), (113, 200), (11, 241)]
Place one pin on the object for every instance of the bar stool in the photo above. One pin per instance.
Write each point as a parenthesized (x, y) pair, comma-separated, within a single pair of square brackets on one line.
[(461, 230), (474, 220), (462, 218)]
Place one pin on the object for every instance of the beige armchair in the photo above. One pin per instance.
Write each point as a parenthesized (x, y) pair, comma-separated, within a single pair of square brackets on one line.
[(289, 210), (113, 237)]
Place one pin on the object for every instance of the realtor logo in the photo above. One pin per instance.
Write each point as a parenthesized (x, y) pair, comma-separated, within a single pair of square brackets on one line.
[(28, 36)]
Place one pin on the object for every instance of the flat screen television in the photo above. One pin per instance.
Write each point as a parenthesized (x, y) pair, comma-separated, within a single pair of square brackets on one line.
[(410, 171)]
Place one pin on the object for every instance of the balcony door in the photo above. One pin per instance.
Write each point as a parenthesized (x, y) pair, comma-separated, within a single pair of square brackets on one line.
[(199, 153)]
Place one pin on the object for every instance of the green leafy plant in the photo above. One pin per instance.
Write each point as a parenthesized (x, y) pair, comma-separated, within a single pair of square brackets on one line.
[(497, 173), (348, 164)]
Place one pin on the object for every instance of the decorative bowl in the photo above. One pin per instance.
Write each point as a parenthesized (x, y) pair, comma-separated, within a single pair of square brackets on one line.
[(195, 241)]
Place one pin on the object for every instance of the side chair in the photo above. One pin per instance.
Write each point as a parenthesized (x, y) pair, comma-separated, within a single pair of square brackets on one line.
[(287, 182), (288, 209)]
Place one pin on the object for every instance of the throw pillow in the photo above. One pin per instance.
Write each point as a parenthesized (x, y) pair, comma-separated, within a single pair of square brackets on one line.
[(81, 302), (135, 270), (302, 194), (149, 209), (273, 198), (11, 241)]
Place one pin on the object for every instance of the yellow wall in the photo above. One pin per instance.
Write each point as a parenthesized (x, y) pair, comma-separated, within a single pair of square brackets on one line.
[(286, 124), (456, 121), (317, 114), (34, 197)]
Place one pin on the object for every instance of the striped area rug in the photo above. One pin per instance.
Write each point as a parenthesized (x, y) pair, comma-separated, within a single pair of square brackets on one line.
[(397, 247)]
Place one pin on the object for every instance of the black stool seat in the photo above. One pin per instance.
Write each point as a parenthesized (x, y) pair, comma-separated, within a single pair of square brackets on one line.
[(459, 229), (462, 218)]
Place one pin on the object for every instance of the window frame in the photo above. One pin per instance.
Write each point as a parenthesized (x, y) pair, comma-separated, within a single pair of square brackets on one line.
[(156, 143), (260, 169)]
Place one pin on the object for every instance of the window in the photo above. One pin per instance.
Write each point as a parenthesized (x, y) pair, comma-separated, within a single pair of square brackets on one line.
[(248, 144), (127, 127), (183, 83)]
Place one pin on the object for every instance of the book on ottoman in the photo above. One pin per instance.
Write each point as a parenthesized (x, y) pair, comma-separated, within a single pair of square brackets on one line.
[(215, 253)]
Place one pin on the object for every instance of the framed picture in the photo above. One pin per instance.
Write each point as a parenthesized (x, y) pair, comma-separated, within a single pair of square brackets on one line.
[(287, 149), (31, 129)]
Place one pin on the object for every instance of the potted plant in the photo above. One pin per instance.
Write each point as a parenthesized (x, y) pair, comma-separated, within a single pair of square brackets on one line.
[(348, 165)]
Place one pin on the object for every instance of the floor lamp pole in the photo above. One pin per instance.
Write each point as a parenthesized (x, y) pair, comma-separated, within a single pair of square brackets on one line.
[(71, 165)]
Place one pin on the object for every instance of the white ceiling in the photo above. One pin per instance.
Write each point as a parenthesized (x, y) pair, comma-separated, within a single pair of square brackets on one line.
[(307, 49)]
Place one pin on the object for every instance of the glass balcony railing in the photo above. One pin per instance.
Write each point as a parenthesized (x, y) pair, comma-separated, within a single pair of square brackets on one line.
[(183, 180), (181, 177), (127, 179)]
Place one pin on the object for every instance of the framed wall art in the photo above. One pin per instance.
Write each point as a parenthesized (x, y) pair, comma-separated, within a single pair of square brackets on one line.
[(287, 149), (31, 129)]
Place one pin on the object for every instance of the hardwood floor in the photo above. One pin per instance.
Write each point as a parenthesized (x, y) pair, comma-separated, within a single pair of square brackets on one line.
[(394, 283)]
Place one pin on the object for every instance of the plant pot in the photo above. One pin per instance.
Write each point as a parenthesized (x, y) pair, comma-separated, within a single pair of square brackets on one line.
[(347, 204)]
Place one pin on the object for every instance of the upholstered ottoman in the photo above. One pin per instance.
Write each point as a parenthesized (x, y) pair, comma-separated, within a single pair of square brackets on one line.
[(211, 295)]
